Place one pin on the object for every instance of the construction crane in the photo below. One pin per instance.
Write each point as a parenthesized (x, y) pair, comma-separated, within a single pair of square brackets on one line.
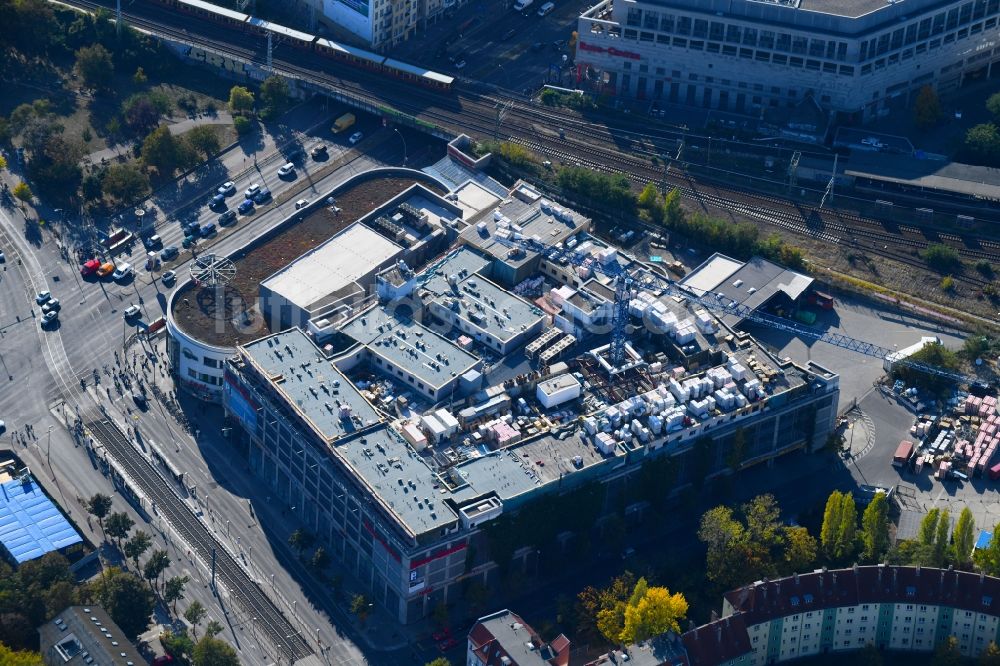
[(628, 280)]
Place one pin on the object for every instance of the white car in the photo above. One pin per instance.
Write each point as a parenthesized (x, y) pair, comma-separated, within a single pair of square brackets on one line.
[(251, 191), (301, 203), (357, 136), (227, 188), (131, 312), (42, 296), (122, 272), (287, 169)]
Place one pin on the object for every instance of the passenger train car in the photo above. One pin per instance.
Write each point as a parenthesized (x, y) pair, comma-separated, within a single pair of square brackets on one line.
[(302, 40)]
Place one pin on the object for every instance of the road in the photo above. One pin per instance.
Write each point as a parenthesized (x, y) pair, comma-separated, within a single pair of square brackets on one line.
[(44, 368)]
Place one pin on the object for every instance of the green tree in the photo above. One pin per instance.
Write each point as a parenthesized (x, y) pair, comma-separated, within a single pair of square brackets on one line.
[(173, 590), (320, 559), (848, 531), (591, 601), (98, 506), (300, 540), (988, 559), (927, 109), (652, 611), (10, 657), (164, 152), (3, 162), (118, 526), (832, 519), (213, 628), (124, 183), (928, 527), (440, 661), (649, 197), (179, 645), (140, 78), (983, 141), (360, 607), (993, 105), (672, 212), (965, 537), (726, 540), (95, 68), (127, 600), (800, 550), (140, 114), (875, 528), (136, 546), (240, 100), (942, 539), (204, 140), (946, 653), (23, 192), (213, 652), (274, 95), (157, 563), (194, 614), (242, 125)]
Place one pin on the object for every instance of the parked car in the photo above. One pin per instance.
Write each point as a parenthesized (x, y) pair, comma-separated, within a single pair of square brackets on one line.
[(105, 270), (251, 191), (245, 207), (48, 318), (190, 240), (42, 296), (218, 201), (152, 242), (262, 197), (169, 252), (230, 215), (357, 136), (131, 312), (208, 229), (90, 267), (318, 152), (301, 203), (122, 272), (286, 170), (168, 278), (227, 189), (53, 305)]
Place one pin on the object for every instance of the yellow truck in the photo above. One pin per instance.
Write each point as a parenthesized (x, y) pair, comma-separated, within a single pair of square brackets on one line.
[(343, 123)]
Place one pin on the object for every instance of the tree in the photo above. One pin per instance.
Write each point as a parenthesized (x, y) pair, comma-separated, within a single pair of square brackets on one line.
[(194, 614), (164, 152), (965, 538), (211, 651), (360, 607), (240, 100), (124, 183), (927, 109), (10, 657), (141, 115), (652, 613), (649, 197), (726, 539), (942, 539), (118, 526), (300, 540), (875, 528), (990, 656), (98, 505), (213, 628), (440, 661), (672, 211), (127, 600), (139, 78), (157, 563), (928, 527), (179, 645), (173, 590), (947, 653), (273, 94), (136, 546), (94, 66), (800, 549), (869, 656), (204, 140), (848, 530), (242, 125), (831, 524), (591, 601), (3, 162), (320, 559), (23, 192), (983, 141), (993, 105)]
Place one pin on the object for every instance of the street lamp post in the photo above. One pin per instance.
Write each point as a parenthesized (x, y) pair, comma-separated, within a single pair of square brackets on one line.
[(404, 143)]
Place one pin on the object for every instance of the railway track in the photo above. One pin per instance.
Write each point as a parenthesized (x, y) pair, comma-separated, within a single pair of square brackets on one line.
[(247, 593)]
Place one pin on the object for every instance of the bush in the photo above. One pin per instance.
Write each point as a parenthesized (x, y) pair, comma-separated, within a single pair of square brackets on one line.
[(947, 283), (936, 355), (242, 125), (985, 268), (515, 154), (942, 258), (612, 191)]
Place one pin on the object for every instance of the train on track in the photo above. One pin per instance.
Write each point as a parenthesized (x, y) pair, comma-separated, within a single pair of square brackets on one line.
[(350, 55)]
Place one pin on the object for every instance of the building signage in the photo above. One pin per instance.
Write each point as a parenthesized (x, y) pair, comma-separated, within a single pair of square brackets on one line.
[(610, 50)]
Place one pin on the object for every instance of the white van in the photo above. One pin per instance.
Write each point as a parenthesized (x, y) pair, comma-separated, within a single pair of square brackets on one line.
[(546, 8)]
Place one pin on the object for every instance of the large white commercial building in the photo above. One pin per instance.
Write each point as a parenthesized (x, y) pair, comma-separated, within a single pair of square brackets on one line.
[(851, 56)]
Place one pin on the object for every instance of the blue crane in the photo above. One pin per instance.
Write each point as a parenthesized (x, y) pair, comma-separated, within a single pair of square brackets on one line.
[(628, 280)]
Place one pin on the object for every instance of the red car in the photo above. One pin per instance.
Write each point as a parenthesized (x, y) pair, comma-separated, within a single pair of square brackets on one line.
[(442, 634), (447, 644), (90, 267)]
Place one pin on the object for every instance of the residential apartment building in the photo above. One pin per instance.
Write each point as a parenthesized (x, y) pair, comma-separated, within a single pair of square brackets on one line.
[(853, 56), (830, 611)]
